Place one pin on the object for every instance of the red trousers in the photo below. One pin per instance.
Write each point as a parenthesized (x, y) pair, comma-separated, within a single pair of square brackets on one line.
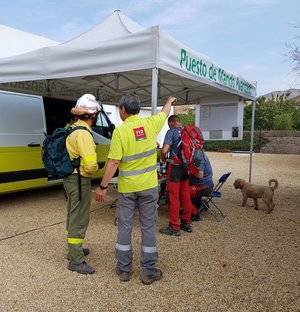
[(179, 193)]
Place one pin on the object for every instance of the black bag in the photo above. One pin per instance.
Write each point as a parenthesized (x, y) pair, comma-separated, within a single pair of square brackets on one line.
[(55, 156)]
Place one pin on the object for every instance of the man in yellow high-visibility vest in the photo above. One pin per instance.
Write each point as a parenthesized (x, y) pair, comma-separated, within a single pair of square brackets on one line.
[(133, 150)]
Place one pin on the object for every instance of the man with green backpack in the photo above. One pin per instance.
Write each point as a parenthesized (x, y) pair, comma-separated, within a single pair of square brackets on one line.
[(70, 153), (80, 146)]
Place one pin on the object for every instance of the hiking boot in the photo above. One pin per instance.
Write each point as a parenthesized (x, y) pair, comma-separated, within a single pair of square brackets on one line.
[(196, 217), (82, 268), (187, 227), (169, 231), (86, 252), (123, 276), (149, 278)]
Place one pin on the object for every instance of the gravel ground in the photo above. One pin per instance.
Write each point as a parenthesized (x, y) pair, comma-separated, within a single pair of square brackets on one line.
[(248, 262)]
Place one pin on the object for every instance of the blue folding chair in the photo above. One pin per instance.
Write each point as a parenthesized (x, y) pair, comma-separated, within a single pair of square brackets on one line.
[(214, 209)]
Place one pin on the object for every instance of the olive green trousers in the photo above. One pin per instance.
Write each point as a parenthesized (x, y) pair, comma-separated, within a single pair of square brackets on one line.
[(78, 215)]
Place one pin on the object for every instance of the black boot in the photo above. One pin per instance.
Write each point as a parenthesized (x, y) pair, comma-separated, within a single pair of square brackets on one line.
[(123, 276), (187, 227), (196, 217), (82, 268), (169, 231), (148, 279)]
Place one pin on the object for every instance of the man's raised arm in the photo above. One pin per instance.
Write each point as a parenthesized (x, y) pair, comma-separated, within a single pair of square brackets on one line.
[(167, 107)]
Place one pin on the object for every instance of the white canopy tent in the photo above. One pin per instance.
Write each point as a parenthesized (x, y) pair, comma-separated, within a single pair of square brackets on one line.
[(119, 56), (18, 41)]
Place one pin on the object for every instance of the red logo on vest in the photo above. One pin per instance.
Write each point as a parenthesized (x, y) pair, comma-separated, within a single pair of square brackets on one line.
[(139, 133)]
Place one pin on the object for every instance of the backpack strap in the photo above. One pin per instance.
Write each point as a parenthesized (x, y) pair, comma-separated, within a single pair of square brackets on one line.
[(72, 129), (76, 161), (178, 145)]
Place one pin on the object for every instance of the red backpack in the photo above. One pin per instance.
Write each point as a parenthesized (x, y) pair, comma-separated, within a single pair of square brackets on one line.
[(191, 141)]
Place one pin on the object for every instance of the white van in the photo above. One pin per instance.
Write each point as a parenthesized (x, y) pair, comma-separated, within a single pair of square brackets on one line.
[(24, 121)]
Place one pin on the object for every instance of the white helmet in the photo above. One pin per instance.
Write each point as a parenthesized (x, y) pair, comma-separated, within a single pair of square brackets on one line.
[(86, 104)]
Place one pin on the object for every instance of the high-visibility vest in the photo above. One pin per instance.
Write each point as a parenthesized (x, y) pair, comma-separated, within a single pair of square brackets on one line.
[(134, 143)]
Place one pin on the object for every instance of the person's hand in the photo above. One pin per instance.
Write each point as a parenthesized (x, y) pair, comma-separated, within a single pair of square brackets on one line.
[(171, 100), (167, 107), (100, 194)]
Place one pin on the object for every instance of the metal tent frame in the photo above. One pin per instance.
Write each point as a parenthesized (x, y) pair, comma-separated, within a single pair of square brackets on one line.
[(128, 58)]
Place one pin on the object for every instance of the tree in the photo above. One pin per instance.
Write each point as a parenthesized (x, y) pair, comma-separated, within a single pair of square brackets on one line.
[(283, 121), (273, 114), (187, 119)]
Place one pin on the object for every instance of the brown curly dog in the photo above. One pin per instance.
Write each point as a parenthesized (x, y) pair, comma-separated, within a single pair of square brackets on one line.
[(257, 191)]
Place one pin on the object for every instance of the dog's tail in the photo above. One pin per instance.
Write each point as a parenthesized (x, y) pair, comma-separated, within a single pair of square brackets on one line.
[(275, 186)]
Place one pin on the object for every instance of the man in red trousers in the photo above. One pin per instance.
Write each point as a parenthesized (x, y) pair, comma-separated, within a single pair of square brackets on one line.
[(177, 182)]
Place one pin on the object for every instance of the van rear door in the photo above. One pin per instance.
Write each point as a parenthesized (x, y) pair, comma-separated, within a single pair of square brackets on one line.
[(22, 127)]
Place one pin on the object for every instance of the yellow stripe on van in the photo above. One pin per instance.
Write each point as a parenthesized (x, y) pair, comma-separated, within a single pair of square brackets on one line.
[(20, 158), (28, 158), (14, 159), (22, 185)]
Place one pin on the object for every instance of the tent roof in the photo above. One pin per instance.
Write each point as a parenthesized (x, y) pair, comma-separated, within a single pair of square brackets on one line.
[(114, 27), (116, 57), (18, 42)]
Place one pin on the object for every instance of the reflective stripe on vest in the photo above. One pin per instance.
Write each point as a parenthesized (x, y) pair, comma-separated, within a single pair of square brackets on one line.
[(139, 155), (130, 173)]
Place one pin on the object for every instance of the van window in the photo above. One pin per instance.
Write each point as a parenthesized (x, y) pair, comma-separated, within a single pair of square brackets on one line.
[(103, 125), (58, 115), (21, 119)]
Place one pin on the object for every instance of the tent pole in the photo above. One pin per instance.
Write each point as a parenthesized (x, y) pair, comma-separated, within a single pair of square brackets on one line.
[(158, 84), (252, 139), (197, 115), (154, 91)]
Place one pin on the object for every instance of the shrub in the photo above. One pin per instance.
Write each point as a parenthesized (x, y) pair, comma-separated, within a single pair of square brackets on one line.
[(241, 145), (268, 112), (283, 122), (296, 119)]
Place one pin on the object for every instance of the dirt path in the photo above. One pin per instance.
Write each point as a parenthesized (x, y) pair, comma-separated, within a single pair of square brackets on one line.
[(248, 262)]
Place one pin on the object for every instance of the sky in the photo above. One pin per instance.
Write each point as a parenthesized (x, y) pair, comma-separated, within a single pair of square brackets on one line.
[(249, 37)]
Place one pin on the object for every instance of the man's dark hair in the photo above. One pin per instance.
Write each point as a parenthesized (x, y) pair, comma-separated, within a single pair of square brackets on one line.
[(131, 104), (173, 118)]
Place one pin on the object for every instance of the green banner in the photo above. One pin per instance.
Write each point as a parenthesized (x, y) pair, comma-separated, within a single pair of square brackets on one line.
[(207, 70)]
